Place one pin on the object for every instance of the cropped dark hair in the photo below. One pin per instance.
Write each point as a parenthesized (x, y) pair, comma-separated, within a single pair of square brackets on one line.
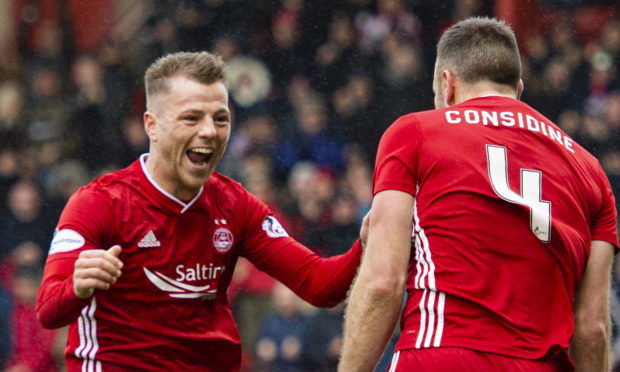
[(480, 49), (203, 67)]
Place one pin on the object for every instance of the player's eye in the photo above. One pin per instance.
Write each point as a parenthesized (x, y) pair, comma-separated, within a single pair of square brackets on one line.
[(222, 120), (190, 119)]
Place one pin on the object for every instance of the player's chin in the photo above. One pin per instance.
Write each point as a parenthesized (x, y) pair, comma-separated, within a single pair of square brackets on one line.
[(198, 177)]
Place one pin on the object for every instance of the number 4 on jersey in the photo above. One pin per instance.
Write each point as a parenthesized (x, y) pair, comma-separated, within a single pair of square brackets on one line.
[(531, 191)]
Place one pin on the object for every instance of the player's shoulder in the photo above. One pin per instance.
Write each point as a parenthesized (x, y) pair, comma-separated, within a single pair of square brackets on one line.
[(414, 125), (224, 188), (111, 184), (224, 184), (230, 195), (414, 118), (405, 123)]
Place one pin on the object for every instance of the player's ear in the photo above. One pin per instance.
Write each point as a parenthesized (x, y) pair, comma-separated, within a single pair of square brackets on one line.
[(150, 126), (448, 81), (520, 88)]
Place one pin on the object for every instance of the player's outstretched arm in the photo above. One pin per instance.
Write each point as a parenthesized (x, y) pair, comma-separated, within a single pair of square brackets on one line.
[(589, 347), (378, 291), (323, 282)]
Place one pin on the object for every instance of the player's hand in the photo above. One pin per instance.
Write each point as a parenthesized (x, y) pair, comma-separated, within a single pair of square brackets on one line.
[(96, 269), (364, 229)]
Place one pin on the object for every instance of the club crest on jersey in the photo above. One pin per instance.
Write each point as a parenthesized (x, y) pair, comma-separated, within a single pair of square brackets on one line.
[(222, 239), (273, 228)]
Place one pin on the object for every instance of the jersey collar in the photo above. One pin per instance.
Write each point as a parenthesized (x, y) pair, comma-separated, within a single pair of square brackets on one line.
[(183, 204)]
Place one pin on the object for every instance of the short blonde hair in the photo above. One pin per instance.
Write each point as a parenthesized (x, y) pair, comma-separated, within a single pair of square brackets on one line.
[(203, 67)]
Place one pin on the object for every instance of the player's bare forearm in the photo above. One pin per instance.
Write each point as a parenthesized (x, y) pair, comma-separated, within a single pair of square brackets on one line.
[(589, 348), (378, 291), (369, 321)]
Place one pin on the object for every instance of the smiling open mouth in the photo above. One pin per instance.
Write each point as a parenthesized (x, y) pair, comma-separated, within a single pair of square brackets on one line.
[(199, 155)]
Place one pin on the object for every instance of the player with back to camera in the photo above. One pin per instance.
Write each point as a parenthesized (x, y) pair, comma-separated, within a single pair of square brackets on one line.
[(500, 228), (175, 229)]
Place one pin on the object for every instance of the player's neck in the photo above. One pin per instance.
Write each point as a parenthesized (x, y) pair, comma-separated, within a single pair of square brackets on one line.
[(156, 174), (483, 89)]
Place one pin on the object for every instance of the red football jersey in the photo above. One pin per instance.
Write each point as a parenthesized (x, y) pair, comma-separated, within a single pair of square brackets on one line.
[(506, 205), (168, 311)]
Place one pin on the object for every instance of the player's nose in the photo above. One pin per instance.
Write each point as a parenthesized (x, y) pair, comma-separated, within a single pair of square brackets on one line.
[(207, 128)]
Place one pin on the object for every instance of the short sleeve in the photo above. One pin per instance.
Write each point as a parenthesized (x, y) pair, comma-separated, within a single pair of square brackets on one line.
[(605, 227), (396, 161)]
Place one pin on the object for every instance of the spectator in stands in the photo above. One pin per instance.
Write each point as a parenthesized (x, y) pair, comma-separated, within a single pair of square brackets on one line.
[(95, 120), (392, 18), (402, 79), (5, 327), (11, 114), (33, 345), (357, 112), (287, 55), (307, 201), (335, 57), (26, 220), (48, 109), (343, 225), (60, 182), (281, 337), (311, 141), (9, 174), (323, 343), (134, 141)]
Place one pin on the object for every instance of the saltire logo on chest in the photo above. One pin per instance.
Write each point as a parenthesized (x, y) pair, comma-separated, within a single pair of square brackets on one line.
[(178, 289)]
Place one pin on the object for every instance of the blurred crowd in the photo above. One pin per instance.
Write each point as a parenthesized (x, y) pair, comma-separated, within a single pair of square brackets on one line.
[(313, 84)]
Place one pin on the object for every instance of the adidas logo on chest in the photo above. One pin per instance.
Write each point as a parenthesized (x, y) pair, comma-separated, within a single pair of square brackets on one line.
[(149, 241)]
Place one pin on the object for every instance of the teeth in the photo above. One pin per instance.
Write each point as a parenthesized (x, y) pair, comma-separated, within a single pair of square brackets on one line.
[(201, 150)]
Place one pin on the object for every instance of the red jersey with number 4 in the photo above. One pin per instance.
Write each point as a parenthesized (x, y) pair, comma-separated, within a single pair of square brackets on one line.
[(506, 205), (168, 311)]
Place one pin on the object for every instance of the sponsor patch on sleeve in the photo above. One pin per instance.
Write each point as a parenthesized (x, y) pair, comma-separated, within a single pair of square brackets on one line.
[(66, 240), (273, 228)]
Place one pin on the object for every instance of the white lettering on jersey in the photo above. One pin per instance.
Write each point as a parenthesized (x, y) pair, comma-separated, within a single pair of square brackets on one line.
[(198, 272), (507, 119), (452, 120), (66, 240), (273, 228), (178, 289), (531, 191)]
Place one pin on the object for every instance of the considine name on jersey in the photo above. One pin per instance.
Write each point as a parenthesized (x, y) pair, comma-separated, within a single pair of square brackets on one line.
[(509, 119)]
